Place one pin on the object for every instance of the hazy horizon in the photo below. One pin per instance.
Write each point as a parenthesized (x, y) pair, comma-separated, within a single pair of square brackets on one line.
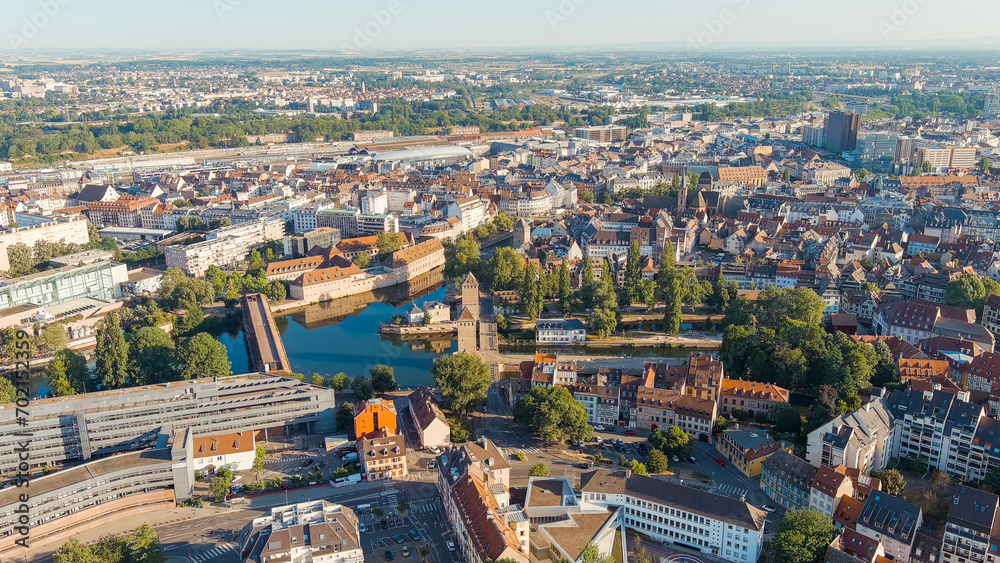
[(390, 25)]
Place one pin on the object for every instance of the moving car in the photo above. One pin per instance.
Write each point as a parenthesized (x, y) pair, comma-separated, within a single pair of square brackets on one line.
[(388, 555), (414, 535), (598, 428), (361, 527), (451, 546), (630, 432), (406, 551), (674, 458), (721, 463), (768, 508), (692, 459)]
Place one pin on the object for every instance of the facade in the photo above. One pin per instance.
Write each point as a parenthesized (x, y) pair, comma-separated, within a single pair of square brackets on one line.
[(68, 231), (748, 450), (892, 521), (787, 480), (601, 134), (726, 528), (750, 396), (90, 425), (224, 247), (49, 288), (432, 427), (372, 417), (383, 456), (935, 425), (308, 531), (829, 485), (126, 211), (842, 131), (235, 451), (746, 175), (971, 531), (560, 331), (601, 403), (858, 440)]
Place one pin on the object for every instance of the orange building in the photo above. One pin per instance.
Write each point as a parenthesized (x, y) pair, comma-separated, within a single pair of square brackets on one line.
[(372, 416)]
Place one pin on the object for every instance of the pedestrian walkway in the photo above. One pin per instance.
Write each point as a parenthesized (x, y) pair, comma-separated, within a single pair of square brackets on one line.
[(216, 552), (286, 459)]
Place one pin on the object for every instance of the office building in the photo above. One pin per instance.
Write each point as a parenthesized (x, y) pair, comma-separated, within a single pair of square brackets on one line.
[(92, 425), (68, 231), (54, 287), (991, 109), (601, 134), (842, 131), (729, 529), (946, 158)]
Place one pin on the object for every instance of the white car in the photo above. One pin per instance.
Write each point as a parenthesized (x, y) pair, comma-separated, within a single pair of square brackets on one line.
[(361, 527), (768, 508), (434, 449), (451, 546), (598, 429)]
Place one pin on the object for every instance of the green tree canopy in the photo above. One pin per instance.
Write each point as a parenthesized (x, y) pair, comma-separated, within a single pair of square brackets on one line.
[(202, 356), (111, 366), (151, 356), (383, 379), (657, 462), (672, 442), (553, 414), (363, 388), (464, 380), (803, 536), (539, 470)]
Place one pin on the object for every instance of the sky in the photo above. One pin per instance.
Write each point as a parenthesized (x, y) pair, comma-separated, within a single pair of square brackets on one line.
[(360, 25)]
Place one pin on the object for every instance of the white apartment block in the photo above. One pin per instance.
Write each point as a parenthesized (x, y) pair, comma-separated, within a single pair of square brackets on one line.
[(225, 247)]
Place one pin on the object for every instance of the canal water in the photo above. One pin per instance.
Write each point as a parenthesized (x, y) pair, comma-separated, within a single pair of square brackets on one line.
[(343, 336)]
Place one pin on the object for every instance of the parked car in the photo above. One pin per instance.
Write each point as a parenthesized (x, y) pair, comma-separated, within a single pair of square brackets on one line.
[(598, 428), (414, 535), (388, 555), (398, 539), (584, 465), (721, 463), (384, 524), (406, 551), (451, 546), (692, 459), (630, 432), (674, 458), (434, 449), (768, 508), (361, 527)]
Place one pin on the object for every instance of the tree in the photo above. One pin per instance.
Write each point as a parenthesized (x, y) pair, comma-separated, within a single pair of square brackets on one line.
[(591, 554), (672, 315), (460, 431), (587, 274), (111, 366), (638, 467), (539, 470), (363, 260), (258, 458), (656, 462), (602, 322), (74, 552), (788, 419), (151, 356), (402, 507), (992, 480), (8, 393), (971, 292), (53, 337), (363, 388), (531, 296), (383, 380), (464, 380), (318, 380), (20, 259), (505, 269), (984, 165), (144, 546), (389, 242), (503, 222), (553, 414), (564, 286), (256, 262), (633, 271), (57, 378), (720, 425), (222, 484), (893, 482), (673, 442), (803, 536), (461, 258), (340, 381), (345, 417), (202, 356)]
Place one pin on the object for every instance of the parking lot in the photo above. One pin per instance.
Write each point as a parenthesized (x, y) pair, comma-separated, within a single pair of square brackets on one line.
[(425, 520)]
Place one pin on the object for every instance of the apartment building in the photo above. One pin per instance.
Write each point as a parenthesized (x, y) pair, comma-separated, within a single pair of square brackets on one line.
[(57, 286), (69, 231), (601, 403), (308, 531), (560, 331), (935, 425), (92, 425), (750, 396), (126, 211), (225, 247), (431, 425), (373, 416), (945, 158), (564, 526), (858, 440), (754, 176), (705, 374), (602, 133), (371, 135), (829, 485), (787, 480), (474, 482), (747, 450), (991, 316), (729, 529), (914, 320), (354, 223), (972, 529), (892, 521), (383, 456), (470, 211)]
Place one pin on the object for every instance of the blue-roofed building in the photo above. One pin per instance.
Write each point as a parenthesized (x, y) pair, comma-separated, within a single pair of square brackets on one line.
[(560, 331)]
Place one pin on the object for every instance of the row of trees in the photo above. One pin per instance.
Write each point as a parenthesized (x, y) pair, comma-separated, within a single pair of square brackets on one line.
[(139, 546)]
